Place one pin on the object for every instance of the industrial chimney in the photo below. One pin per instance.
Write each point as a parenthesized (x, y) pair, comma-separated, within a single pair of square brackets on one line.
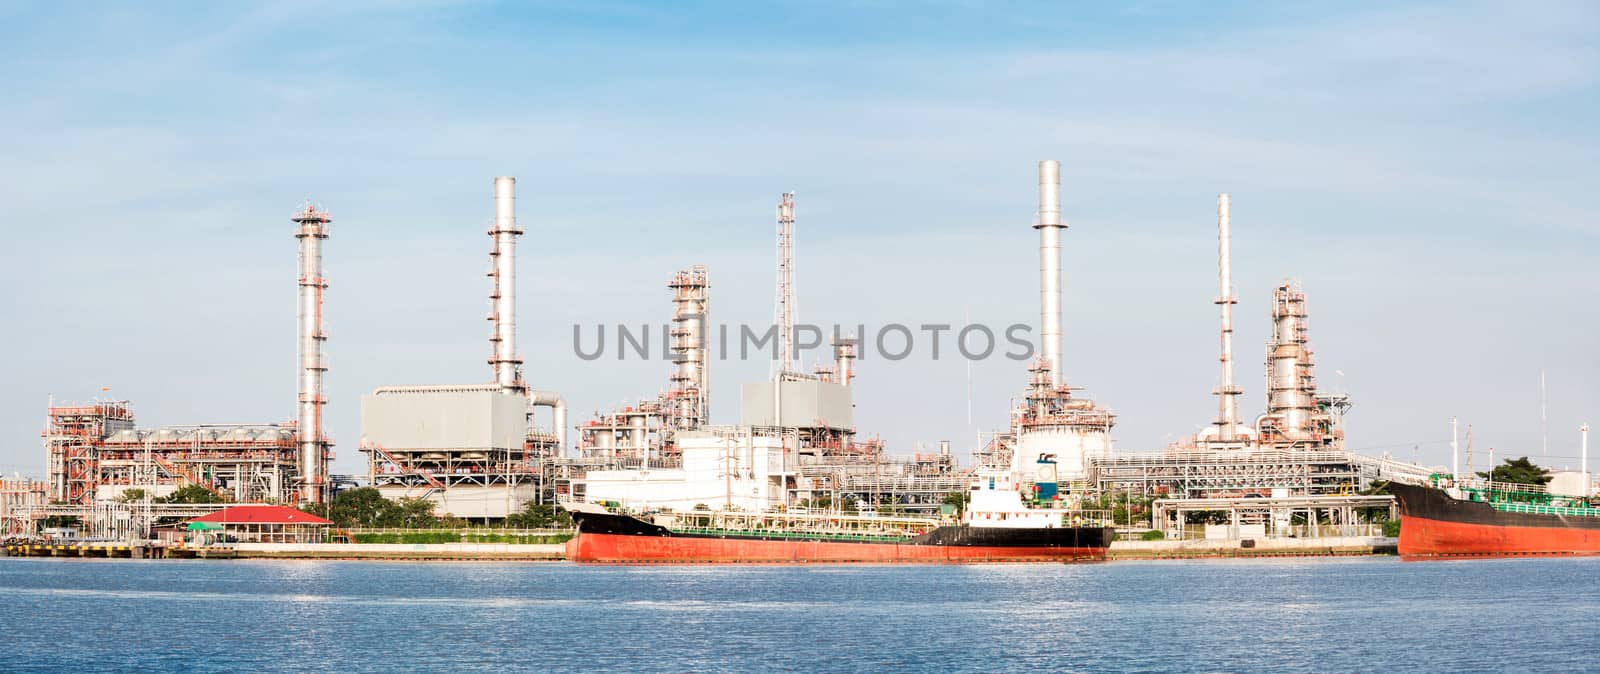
[(1227, 393), (503, 295), (1050, 227), (312, 445)]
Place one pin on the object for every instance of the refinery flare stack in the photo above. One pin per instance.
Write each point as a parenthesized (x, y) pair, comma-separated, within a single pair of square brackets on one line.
[(313, 444)]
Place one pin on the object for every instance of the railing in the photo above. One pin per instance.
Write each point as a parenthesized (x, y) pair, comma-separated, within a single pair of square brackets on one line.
[(1536, 509), (467, 531), (1299, 531)]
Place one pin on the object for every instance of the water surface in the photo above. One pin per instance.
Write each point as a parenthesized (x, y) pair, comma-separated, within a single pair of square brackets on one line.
[(1217, 615)]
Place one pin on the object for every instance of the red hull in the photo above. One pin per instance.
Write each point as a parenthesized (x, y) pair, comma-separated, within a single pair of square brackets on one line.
[(615, 548), (1421, 537)]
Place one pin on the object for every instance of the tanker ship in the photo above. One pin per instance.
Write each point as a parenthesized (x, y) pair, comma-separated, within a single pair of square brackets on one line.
[(997, 526), (1493, 519)]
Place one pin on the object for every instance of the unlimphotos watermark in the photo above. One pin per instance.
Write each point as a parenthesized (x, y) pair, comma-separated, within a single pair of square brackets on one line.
[(890, 341)]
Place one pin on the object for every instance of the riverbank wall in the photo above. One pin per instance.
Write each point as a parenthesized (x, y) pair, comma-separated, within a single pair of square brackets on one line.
[(413, 551), (1349, 546), (1341, 546)]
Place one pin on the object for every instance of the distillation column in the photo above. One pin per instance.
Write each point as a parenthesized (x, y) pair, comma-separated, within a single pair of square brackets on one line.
[(1291, 386), (313, 459), (1050, 227), (503, 295), (691, 379)]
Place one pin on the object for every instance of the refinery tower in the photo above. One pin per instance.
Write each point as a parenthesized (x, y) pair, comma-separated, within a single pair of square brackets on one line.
[(472, 449)]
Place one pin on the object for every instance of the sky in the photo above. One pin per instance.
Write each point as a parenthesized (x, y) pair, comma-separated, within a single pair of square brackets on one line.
[(1427, 172)]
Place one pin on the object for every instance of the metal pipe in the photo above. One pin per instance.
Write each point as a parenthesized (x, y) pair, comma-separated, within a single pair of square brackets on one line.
[(1227, 393), (503, 295), (558, 407), (1050, 227), (312, 445)]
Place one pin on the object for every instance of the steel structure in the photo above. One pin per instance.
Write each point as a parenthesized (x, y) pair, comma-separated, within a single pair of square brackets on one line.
[(1298, 415), (1051, 424), (641, 435), (96, 453), (1227, 423), (503, 289), (1233, 474), (1050, 226), (689, 399), (313, 455), (844, 360), (786, 309), (18, 497), (462, 473), (73, 437), (1345, 515), (645, 441)]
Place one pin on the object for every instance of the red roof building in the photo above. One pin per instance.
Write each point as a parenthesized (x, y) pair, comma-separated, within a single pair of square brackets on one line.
[(268, 524)]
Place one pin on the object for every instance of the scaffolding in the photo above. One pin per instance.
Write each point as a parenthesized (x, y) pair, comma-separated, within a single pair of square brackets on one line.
[(18, 497), (96, 453), (1262, 473), (1278, 517)]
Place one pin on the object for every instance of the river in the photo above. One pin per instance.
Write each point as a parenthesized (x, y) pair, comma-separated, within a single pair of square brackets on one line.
[(1315, 615)]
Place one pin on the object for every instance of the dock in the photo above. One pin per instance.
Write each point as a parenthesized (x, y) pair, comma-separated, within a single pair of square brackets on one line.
[(351, 551)]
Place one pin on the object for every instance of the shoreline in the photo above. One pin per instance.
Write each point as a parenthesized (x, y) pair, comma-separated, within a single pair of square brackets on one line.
[(507, 552)]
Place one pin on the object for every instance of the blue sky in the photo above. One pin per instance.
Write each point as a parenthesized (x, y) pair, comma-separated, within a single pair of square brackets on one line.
[(1427, 170)]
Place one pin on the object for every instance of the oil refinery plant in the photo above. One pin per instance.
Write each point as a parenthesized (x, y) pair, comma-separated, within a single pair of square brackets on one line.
[(481, 451)]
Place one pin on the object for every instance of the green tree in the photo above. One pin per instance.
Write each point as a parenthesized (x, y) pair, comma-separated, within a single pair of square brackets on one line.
[(959, 499), (363, 507), (417, 513), (193, 493), (1518, 471), (540, 516), (132, 495)]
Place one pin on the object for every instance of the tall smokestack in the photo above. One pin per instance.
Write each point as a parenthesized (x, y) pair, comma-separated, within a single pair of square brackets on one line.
[(1050, 227), (503, 296), (312, 445), (1227, 393)]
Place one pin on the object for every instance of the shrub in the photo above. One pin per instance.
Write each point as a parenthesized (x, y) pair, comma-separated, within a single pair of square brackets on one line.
[(1153, 535), (1391, 528)]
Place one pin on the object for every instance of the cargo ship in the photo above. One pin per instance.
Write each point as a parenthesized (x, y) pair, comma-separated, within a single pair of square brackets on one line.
[(998, 526), (1493, 519)]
